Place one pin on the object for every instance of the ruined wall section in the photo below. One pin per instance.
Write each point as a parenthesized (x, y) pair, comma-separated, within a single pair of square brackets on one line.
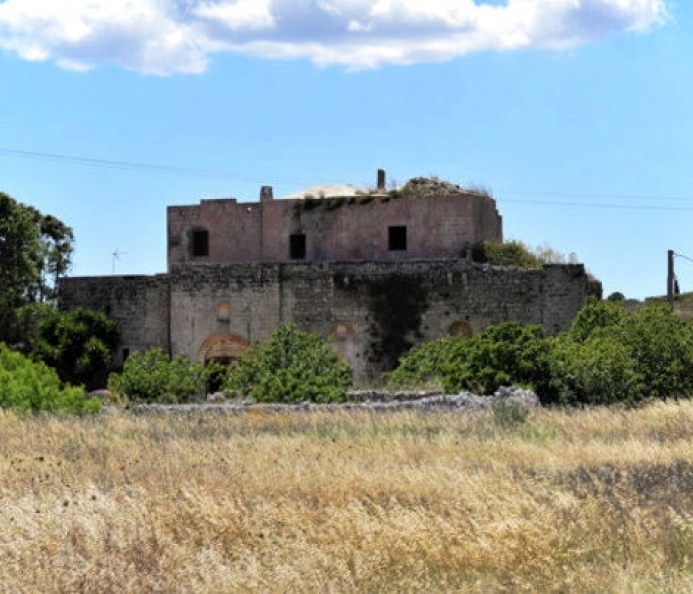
[(139, 304), (336, 229), (234, 230), (242, 300), (373, 312)]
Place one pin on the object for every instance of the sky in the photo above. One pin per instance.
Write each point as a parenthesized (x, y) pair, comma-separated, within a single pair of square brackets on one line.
[(577, 115)]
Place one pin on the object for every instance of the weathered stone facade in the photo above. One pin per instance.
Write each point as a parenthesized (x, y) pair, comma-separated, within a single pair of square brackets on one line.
[(237, 272)]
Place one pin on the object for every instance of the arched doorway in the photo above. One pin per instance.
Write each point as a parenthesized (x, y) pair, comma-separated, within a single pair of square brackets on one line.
[(461, 328), (224, 348)]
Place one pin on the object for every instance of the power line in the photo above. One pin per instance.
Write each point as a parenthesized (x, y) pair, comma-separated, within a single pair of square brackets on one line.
[(596, 204), (133, 165), (683, 257), (232, 176)]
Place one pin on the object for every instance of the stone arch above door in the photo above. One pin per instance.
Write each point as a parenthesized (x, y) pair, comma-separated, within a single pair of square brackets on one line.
[(224, 348), (461, 328)]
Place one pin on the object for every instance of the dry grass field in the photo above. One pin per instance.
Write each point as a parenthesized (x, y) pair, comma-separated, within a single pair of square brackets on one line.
[(587, 501)]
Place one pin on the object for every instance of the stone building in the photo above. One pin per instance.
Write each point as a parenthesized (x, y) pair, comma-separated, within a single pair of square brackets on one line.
[(373, 271)]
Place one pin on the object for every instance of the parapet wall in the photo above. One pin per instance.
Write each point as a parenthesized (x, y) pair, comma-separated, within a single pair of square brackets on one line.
[(373, 312)]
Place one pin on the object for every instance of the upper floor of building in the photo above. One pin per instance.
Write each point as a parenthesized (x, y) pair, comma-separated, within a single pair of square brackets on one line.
[(425, 218)]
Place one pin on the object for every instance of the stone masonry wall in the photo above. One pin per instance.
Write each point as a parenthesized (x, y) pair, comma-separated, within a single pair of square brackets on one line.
[(336, 229), (372, 312), (139, 304)]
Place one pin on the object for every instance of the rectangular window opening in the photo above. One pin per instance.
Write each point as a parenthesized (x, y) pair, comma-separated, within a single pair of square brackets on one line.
[(397, 239), (297, 246), (200, 243)]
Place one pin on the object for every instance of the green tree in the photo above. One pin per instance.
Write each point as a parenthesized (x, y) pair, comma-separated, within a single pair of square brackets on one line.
[(503, 354), (33, 386), (153, 376), (423, 365), (35, 250), (294, 366), (78, 344)]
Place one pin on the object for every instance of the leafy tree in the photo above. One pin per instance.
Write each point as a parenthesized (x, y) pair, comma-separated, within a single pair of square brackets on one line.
[(294, 366), (661, 345), (78, 344), (596, 317), (33, 386), (35, 250), (598, 370), (503, 354), (423, 365), (153, 376)]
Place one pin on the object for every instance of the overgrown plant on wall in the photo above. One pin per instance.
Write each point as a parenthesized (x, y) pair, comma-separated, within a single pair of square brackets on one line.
[(293, 366)]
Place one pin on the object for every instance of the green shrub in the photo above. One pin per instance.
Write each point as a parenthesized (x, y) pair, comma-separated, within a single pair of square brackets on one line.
[(598, 370), (294, 366), (512, 253), (608, 355), (596, 318), (153, 376), (423, 365), (78, 344), (662, 347), (33, 386), (503, 354)]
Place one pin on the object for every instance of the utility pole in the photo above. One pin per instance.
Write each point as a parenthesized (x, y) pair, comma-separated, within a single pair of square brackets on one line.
[(670, 278)]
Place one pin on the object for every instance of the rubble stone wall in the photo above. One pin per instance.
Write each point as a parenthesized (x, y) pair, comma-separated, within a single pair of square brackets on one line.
[(372, 312)]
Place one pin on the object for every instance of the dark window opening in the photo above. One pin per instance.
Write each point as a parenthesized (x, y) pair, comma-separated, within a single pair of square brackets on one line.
[(297, 246), (126, 354), (200, 242), (397, 239)]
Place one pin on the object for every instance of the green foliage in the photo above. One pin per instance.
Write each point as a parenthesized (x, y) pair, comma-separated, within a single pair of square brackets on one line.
[(33, 386), (78, 344), (504, 354), (662, 347), (294, 366), (153, 376), (598, 370), (596, 317), (423, 365), (498, 253), (35, 250), (606, 356)]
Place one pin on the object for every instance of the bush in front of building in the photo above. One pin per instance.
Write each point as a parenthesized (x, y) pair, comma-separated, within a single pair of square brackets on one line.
[(607, 356), (294, 366), (31, 386), (153, 376)]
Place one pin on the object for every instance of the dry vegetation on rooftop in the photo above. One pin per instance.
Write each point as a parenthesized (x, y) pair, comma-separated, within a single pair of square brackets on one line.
[(594, 501)]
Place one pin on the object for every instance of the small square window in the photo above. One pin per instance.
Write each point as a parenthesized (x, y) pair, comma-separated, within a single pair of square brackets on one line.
[(200, 243), (397, 239), (297, 246)]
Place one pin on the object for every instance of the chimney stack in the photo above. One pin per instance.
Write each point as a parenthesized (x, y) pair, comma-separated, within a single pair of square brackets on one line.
[(266, 193), (381, 179)]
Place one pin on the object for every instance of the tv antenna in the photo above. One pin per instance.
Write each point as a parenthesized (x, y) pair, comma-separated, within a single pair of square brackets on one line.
[(115, 257)]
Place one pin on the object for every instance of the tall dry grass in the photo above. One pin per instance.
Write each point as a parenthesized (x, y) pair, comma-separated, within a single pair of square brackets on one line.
[(591, 501)]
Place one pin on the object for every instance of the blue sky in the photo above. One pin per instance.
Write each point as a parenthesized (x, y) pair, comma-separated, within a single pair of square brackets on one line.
[(576, 114)]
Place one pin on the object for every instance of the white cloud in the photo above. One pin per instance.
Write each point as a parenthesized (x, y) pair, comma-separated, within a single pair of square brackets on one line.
[(171, 36)]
